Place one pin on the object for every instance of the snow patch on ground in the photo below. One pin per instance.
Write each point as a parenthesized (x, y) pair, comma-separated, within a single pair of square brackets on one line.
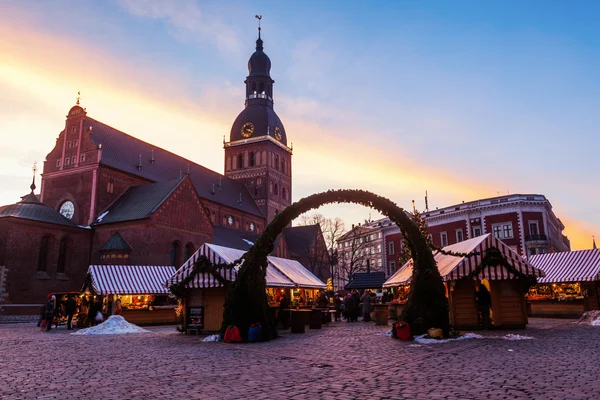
[(590, 318), (212, 338), (422, 339), (114, 325)]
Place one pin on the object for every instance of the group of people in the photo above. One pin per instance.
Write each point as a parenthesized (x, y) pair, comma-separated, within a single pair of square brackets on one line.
[(355, 303), (52, 312)]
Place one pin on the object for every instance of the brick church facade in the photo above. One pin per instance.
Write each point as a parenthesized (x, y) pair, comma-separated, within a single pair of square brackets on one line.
[(109, 198)]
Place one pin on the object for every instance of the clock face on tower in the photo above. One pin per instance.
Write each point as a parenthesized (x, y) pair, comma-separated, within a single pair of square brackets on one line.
[(247, 129), (67, 209), (277, 133)]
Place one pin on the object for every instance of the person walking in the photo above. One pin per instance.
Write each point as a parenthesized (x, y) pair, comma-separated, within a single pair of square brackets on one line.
[(484, 303), (337, 304), (118, 307), (50, 312), (70, 307), (366, 305)]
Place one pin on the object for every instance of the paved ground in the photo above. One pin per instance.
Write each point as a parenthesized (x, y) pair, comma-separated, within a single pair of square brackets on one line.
[(342, 361)]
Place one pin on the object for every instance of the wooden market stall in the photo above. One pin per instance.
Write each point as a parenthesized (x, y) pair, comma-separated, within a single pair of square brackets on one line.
[(204, 297), (144, 299), (571, 285), (495, 265)]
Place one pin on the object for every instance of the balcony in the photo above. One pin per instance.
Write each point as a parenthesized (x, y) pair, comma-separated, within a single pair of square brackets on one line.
[(536, 238)]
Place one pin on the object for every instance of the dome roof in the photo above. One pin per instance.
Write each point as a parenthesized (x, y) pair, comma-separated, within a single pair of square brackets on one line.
[(259, 63), (263, 119)]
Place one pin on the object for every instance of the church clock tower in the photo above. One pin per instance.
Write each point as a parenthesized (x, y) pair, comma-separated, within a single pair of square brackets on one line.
[(257, 152)]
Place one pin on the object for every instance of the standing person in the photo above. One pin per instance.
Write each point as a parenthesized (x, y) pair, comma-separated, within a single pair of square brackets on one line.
[(366, 305), (337, 304), (50, 312), (348, 307), (356, 304), (70, 307), (118, 307), (92, 311), (484, 303)]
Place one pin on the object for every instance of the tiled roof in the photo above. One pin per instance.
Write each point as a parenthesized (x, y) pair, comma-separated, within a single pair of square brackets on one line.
[(227, 237), (366, 280), (122, 151), (138, 202), (115, 242), (31, 209), (300, 239)]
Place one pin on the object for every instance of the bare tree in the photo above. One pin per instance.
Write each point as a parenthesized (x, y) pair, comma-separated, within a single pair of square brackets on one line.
[(332, 229), (353, 253)]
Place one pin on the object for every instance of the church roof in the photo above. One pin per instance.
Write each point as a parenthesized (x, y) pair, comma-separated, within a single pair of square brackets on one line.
[(31, 209), (122, 151), (138, 202), (115, 242), (300, 239), (232, 238)]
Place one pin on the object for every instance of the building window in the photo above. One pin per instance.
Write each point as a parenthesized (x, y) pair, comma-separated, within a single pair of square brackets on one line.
[(67, 160), (43, 254), (213, 217), (63, 253), (110, 187), (534, 229), (75, 143), (459, 235), (240, 161), (58, 163), (73, 129), (391, 248), (175, 250), (444, 239), (251, 159), (503, 231), (69, 144), (258, 181), (189, 251), (276, 189), (277, 162), (73, 160), (82, 158), (476, 231), (392, 267), (379, 248)]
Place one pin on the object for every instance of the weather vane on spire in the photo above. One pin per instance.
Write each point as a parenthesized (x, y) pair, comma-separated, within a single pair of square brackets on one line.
[(34, 169), (258, 17), (78, 97)]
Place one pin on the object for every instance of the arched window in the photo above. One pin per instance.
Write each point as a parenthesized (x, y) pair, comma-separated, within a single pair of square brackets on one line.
[(189, 251), (276, 162), (175, 250), (63, 255), (240, 162), (253, 88), (283, 193), (261, 88), (251, 159), (43, 255), (276, 189)]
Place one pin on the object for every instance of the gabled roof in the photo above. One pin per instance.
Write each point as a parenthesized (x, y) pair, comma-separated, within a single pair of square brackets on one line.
[(300, 239), (452, 267), (232, 238), (122, 151), (31, 209), (568, 266), (115, 242), (138, 202), (366, 280)]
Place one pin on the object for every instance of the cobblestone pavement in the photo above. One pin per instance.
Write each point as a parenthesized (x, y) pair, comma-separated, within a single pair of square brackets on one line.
[(340, 361)]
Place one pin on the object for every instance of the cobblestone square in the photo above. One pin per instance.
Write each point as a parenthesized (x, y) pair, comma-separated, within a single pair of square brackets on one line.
[(340, 361)]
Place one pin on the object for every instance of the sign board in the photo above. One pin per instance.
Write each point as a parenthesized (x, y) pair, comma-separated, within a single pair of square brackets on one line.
[(195, 317)]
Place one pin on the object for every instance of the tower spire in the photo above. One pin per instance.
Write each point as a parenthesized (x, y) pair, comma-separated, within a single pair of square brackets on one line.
[(78, 98), (259, 42), (34, 169)]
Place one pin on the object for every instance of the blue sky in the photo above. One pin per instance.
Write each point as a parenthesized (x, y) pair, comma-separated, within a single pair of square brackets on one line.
[(464, 99)]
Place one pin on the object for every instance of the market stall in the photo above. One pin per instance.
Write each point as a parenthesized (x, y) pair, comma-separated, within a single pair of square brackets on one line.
[(144, 299), (205, 294), (504, 273), (571, 285)]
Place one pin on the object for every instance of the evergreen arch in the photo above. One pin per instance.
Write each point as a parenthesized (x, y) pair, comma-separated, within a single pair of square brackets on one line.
[(247, 302)]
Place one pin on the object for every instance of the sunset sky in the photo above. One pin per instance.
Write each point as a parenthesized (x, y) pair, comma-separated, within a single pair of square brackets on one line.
[(464, 99)]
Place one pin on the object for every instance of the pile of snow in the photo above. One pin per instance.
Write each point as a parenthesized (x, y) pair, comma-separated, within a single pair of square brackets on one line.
[(114, 325), (590, 318), (212, 338), (423, 339)]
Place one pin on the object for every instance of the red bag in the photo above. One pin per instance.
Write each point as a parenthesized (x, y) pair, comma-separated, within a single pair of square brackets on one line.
[(232, 334), (402, 330)]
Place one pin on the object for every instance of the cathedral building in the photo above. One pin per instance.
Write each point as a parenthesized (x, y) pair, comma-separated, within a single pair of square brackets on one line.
[(135, 203)]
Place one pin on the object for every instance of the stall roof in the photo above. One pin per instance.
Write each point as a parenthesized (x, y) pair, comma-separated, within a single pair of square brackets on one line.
[(130, 279), (366, 280), (568, 266), (280, 272), (453, 268)]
